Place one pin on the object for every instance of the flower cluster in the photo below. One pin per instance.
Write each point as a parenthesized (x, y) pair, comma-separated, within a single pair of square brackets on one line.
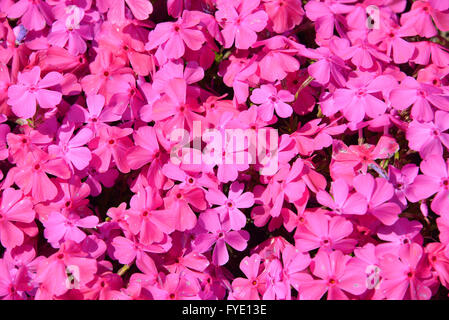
[(102, 102)]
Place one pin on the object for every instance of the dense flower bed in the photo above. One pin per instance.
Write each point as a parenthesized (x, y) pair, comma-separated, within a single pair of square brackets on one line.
[(224, 149)]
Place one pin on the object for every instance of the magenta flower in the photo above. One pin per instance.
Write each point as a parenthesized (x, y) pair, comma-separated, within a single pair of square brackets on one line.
[(358, 98), (140, 9), (400, 233), (174, 37), (152, 225), (336, 273), (32, 176), (278, 58), (111, 143), (402, 180), (284, 14), (250, 287), (62, 228), (52, 271), (176, 286), (420, 17), (434, 180), (96, 115), (323, 231), (342, 202), (428, 137), (403, 274), (422, 96), (71, 148), (219, 234), (229, 206), (179, 202), (69, 31), (378, 193), (269, 99), (34, 14), (31, 88), (240, 22), (14, 208)]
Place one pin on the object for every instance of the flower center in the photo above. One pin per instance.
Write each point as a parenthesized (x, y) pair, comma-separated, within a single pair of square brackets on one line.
[(445, 183), (361, 92)]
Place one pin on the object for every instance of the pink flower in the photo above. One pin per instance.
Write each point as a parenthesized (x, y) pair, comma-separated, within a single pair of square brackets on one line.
[(400, 233), (108, 75), (219, 234), (13, 282), (378, 192), (96, 115), (402, 180), (278, 58), (404, 275), (240, 22), (390, 39), (176, 286), (326, 16), (358, 98), (284, 14), (59, 227), (23, 96), (32, 177), (294, 270), (127, 250), (342, 201), (434, 180), (436, 255), (52, 272), (422, 96), (14, 208), (111, 143), (249, 288), (141, 9), (337, 274), (146, 147), (71, 148), (69, 30), (143, 218), (179, 202), (420, 19), (229, 206), (323, 231), (270, 99), (428, 137), (173, 37), (35, 14)]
